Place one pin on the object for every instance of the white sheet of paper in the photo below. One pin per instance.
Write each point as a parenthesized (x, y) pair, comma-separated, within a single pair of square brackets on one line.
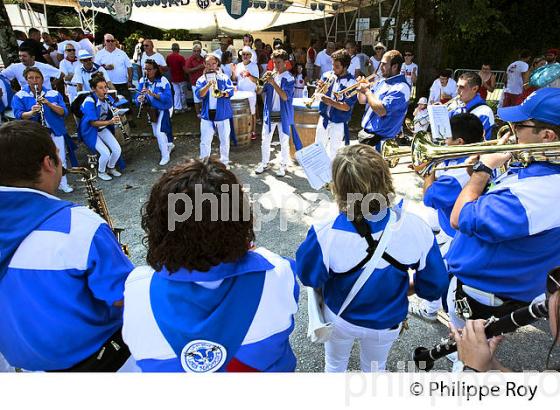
[(439, 122), (316, 164)]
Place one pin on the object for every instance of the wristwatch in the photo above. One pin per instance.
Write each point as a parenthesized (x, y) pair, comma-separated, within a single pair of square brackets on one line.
[(481, 167)]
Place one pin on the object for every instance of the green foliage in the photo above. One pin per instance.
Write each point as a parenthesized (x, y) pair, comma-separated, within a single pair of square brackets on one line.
[(179, 35), (131, 41)]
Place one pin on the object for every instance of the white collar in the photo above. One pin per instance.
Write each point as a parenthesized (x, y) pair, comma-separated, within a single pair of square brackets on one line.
[(31, 190)]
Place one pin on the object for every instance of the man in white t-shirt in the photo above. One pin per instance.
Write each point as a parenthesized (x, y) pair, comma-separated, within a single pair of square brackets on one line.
[(224, 44), (84, 42), (379, 49), (150, 54), (323, 62), (517, 75), (409, 69), (87, 68), (443, 89), (355, 65), (64, 35), (117, 64), (246, 74), (68, 67), (28, 60)]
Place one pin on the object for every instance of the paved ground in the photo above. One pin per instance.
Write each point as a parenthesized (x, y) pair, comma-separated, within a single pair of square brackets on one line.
[(126, 195)]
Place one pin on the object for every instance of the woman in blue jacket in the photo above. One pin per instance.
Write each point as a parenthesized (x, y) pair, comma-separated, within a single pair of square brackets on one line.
[(156, 98)]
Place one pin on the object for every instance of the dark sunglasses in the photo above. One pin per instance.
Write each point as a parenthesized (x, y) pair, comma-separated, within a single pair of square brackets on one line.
[(70, 49), (110, 41)]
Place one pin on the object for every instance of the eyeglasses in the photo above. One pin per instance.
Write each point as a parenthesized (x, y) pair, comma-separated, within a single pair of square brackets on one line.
[(70, 49), (109, 41), (517, 125), (408, 55)]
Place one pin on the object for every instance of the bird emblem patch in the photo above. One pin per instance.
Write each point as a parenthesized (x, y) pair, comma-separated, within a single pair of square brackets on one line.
[(203, 356)]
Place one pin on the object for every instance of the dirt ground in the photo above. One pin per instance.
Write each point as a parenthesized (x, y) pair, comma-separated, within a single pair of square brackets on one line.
[(126, 195)]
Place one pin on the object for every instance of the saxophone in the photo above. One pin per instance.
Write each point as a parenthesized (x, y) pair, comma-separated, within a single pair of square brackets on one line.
[(95, 198)]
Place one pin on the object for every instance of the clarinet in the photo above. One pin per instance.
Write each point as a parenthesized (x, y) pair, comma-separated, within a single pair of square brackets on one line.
[(144, 79), (115, 112), (42, 112), (424, 358)]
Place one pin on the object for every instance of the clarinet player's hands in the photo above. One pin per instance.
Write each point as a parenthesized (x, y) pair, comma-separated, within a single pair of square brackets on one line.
[(116, 120), (475, 351)]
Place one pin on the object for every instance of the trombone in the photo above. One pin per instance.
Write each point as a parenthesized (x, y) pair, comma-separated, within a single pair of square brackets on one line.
[(352, 90), (426, 155)]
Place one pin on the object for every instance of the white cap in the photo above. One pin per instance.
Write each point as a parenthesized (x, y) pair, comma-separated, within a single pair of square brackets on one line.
[(83, 54), (380, 44), (423, 100), (247, 49)]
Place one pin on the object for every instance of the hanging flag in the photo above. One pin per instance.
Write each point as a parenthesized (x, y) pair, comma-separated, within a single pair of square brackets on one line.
[(236, 8), (120, 10)]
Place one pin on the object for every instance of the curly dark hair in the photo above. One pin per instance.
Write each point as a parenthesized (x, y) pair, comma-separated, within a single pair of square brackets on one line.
[(218, 224)]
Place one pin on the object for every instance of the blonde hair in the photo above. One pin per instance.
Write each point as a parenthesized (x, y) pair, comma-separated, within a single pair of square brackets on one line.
[(357, 171)]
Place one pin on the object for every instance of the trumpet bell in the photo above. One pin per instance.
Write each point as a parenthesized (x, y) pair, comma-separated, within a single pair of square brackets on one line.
[(392, 152)]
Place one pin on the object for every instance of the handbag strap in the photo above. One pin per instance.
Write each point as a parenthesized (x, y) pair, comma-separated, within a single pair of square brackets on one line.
[(372, 264)]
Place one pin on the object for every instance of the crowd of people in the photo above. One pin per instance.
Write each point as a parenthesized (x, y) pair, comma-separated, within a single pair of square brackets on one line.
[(209, 298)]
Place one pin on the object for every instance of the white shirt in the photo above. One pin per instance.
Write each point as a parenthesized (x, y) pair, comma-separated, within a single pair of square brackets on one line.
[(218, 53), (515, 77), (68, 67), (324, 61), (436, 90), (227, 70), (120, 61), (374, 63), (85, 44), (407, 70), (354, 65), (82, 77), (276, 97), (16, 71), (157, 57), (62, 46), (244, 83)]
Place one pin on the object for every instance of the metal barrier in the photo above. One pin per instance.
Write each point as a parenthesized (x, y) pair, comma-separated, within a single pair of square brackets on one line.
[(495, 95)]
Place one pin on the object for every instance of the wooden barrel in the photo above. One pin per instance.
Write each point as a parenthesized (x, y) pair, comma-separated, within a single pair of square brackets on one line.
[(306, 122), (241, 117)]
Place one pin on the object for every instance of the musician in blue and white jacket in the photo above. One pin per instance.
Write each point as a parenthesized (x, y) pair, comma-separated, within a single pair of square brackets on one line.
[(48, 109), (386, 101), (441, 190), (6, 95), (96, 128), (278, 112), (332, 128), (216, 113), (333, 256), (156, 97), (508, 232), (209, 301), (468, 88), (62, 271)]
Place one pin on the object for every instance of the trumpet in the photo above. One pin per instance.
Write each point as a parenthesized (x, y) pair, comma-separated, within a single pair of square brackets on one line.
[(426, 155), (323, 89), (269, 74), (354, 88), (42, 112)]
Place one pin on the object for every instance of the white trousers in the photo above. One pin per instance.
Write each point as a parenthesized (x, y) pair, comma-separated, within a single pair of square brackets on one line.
[(108, 148), (179, 97), (331, 137), (59, 142), (374, 345), (207, 135), (267, 139), (161, 137)]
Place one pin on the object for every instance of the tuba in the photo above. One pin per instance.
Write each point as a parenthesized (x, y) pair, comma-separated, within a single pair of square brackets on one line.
[(95, 198)]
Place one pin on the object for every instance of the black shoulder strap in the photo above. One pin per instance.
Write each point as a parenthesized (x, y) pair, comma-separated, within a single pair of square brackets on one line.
[(364, 230)]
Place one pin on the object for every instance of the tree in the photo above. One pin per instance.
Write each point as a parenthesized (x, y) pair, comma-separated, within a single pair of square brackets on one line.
[(8, 42)]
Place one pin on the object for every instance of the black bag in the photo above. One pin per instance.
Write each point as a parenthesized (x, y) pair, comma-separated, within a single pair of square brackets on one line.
[(76, 106)]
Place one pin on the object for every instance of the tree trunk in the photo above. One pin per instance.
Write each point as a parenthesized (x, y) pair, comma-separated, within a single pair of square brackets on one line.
[(8, 43), (428, 45)]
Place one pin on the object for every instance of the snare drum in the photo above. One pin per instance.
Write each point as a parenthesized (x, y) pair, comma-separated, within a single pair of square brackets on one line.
[(306, 120), (241, 116)]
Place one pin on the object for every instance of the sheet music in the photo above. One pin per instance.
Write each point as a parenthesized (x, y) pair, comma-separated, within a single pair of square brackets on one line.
[(316, 164), (439, 122)]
